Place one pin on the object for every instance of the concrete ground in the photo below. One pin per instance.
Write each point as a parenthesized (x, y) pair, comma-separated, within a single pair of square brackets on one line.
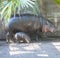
[(44, 49)]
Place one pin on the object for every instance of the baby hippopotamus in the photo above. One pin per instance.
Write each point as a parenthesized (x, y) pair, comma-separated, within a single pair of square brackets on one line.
[(21, 36)]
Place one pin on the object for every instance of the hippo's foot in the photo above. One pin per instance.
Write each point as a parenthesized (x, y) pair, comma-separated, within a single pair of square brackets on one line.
[(9, 38), (22, 37)]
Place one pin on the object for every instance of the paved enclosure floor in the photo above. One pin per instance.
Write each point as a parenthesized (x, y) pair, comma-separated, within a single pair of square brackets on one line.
[(44, 49)]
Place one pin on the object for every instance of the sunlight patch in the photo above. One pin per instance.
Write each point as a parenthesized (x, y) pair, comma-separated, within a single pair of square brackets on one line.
[(13, 48), (32, 47), (19, 52), (43, 55), (57, 45)]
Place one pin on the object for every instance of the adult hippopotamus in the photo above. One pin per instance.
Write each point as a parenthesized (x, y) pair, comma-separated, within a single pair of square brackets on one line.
[(29, 23)]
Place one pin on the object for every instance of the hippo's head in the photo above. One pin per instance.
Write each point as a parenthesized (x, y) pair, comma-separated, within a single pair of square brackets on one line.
[(48, 28)]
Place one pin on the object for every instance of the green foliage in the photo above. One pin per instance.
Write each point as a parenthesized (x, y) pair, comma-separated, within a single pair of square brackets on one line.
[(57, 1), (8, 7)]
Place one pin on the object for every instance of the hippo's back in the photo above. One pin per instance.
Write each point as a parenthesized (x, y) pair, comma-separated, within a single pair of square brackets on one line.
[(24, 23)]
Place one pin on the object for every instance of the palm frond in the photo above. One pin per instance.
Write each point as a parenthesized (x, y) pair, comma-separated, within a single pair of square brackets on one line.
[(10, 6)]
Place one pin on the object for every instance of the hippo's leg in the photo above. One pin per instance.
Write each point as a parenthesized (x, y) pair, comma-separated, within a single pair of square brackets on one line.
[(22, 36), (9, 37)]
